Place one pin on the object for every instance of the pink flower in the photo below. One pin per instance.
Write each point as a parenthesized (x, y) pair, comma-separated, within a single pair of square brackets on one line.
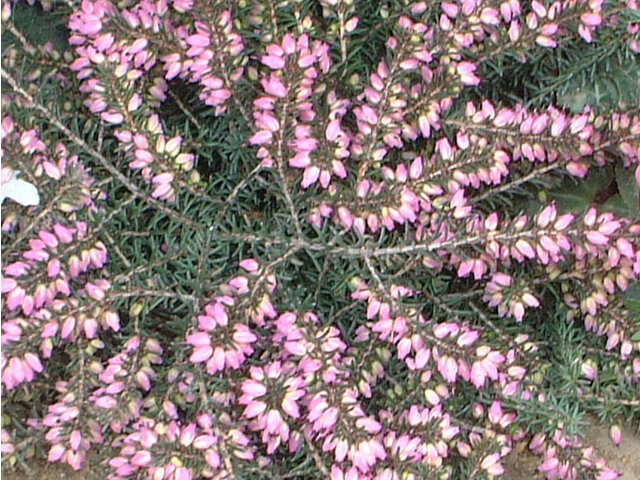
[(489, 16), (274, 62), (112, 117), (201, 354), (254, 409), (444, 147), (591, 19), (597, 238), (607, 474), (250, 265), (261, 137), (94, 291), (198, 40), (141, 458), (253, 389), (346, 218), (188, 434), (56, 452), (448, 368), (545, 41), (310, 176), (489, 461), (273, 86), (495, 412), (468, 338), (465, 70), (548, 465), (616, 434), (588, 371), (450, 9), (107, 402), (182, 473)]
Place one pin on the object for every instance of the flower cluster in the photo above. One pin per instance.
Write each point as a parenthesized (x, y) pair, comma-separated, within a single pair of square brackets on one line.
[(53, 285), (265, 237), (290, 90), (113, 69)]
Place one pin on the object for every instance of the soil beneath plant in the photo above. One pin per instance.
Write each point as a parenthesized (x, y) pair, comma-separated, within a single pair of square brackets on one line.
[(519, 465)]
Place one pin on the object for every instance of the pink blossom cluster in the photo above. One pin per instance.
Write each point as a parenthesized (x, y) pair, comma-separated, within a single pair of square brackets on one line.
[(562, 455), (75, 423), (60, 263), (54, 167), (114, 75), (544, 24), (308, 379), (140, 448), (212, 48), (217, 343), (295, 66), (423, 345), (412, 192), (392, 163), (158, 449), (53, 283)]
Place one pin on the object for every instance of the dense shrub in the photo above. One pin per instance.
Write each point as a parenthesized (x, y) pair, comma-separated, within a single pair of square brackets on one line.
[(318, 239)]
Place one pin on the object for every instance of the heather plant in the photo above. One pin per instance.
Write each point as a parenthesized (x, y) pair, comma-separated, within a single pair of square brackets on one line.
[(325, 239)]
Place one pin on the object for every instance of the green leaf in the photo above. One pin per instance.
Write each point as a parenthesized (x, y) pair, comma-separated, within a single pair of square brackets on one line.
[(577, 197)]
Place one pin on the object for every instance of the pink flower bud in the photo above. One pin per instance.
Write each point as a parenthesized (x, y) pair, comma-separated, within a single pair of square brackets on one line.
[(514, 30), (545, 41), (198, 40), (15, 298), (616, 434), (261, 137), (107, 402), (591, 19), (112, 117), (94, 291), (597, 238), (351, 24), (188, 434), (201, 354), (48, 238), (274, 62), (273, 86), (56, 452), (310, 176), (253, 388), (607, 474), (465, 70), (450, 9), (490, 16), (549, 464), (34, 362), (490, 460), (558, 125), (202, 442), (142, 458), (254, 409), (250, 265), (338, 168), (182, 473), (448, 368), (468, 338), (333, 129), (346, 218)]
